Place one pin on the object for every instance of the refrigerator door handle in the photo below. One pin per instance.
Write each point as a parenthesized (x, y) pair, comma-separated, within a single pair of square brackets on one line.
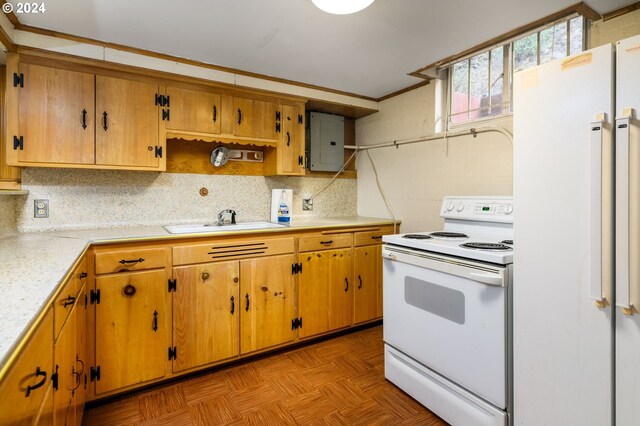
[(623, 168), (595, 214)]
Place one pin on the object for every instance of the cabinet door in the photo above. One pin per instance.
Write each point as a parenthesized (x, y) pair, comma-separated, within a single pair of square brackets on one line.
[(127, 130), (264, 119), (55, 106), (368, 283), (193, 111), (325, 291), (81, 362), (64, 363), (267, 307), (206, 314), (291, 143), (131, 329), (243, 117), (25, 384)]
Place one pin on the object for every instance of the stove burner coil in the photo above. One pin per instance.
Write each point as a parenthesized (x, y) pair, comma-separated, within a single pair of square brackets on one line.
[(510, 242), (416, 236), (486, 246), (448, 235)]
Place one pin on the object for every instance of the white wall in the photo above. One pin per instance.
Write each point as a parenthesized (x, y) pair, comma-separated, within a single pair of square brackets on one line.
[(107, 198), (416, 177)]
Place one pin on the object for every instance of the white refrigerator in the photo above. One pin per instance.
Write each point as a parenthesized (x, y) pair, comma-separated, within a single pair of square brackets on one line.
[(576, 163)]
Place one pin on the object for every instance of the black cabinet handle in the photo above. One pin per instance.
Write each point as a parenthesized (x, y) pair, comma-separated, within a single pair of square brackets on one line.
[(39, 373), (376, 237), (83, 275), (360, 284), (104, 121), (77, 374), (215, 113), (326, 243), (247, 299), (233, 305), (346, 285), (288, 138), (70, 300), (84, 118), (239, 116), (155, 321), (124, 262)]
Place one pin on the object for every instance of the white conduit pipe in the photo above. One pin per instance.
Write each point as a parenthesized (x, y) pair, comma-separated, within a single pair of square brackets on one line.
[(438, 136)]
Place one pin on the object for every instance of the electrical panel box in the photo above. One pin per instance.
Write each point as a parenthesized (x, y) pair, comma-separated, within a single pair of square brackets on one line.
[(324, 142)]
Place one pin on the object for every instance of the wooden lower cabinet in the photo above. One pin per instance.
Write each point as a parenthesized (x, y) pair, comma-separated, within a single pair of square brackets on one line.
[(81, 364), (64, 367), (325, 291), (367, 271), (131, 329), (206, 314), (267, 297), (24, 387)]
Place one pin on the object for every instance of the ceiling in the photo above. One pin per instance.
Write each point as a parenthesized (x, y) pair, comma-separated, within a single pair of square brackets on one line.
[(368, 53)]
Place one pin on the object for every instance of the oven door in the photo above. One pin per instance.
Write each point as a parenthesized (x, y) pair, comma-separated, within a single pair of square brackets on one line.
[(450, 315)]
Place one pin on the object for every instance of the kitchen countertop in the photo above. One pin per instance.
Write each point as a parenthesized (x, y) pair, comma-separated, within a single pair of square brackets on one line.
[(34, 265)]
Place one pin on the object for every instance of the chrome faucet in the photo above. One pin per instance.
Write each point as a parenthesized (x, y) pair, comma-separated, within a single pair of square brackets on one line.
[(224, 214)]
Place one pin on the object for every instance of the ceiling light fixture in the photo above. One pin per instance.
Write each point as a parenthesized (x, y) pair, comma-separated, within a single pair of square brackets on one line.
[(342, 7)]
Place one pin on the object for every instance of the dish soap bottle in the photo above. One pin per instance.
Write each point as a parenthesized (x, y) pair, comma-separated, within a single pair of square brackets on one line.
[(284, 215)]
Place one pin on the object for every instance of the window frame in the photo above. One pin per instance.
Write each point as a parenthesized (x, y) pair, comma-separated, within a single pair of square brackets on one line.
[(509, 69)]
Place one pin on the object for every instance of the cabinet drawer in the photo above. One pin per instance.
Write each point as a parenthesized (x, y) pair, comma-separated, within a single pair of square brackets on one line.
[(321, 242), (230, 250), (129, 260), (31, 370), (371, 237)]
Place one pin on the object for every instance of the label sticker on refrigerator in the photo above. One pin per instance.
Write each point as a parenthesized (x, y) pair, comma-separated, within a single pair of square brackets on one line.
[(576, 61), (633, 50)]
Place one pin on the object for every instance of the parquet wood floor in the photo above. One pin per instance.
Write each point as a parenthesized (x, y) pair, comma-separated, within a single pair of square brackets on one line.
[(334, 382)]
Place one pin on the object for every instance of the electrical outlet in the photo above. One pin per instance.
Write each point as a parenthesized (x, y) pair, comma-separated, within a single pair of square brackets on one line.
[(40, 208), (307, 204)]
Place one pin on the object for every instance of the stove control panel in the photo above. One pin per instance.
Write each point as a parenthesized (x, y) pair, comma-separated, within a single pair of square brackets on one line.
[(492, 209)]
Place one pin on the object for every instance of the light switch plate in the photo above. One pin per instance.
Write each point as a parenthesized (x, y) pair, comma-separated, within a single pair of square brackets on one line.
[(40, 208)]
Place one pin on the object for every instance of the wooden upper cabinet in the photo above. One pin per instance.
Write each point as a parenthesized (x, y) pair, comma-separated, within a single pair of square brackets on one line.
[(127, 130), (266, 120), (193, 111), (55, 117), (288, 158)]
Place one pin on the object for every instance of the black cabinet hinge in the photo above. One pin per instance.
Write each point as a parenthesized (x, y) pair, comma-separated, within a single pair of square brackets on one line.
[(296, 268), (301, 160), (162, 101), (173, 284), (54, 378), (300, 119), (166, 115), (94, 296), (277, 127), (158, 152), (18, 142), (94, 373), (173, 353), (18, 79), (296, 323)]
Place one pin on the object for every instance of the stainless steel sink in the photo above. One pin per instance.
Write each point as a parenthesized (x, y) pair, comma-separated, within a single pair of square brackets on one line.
[(213, 227)]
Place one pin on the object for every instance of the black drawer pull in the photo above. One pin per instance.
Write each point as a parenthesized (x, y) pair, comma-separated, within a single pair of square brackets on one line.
[(84, 118), (326, 243), (155, 321), (104, 121), (346, 286), (233, 305), (248, 302), (83, 275), (215, 113), (239, 116), (360, 284), (124, 262), (376, 237), (40, 373), (288, 138)]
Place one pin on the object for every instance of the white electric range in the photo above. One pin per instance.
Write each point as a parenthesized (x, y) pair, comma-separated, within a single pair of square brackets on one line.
[(447, 312)]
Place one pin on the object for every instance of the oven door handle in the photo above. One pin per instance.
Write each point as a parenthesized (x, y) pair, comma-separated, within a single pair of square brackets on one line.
[(487, 279)]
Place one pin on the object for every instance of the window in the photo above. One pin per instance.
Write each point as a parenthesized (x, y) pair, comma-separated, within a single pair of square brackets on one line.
[(480, 86)]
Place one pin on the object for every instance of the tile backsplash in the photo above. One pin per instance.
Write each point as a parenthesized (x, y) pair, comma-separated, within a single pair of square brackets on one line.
[(107, 198)]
